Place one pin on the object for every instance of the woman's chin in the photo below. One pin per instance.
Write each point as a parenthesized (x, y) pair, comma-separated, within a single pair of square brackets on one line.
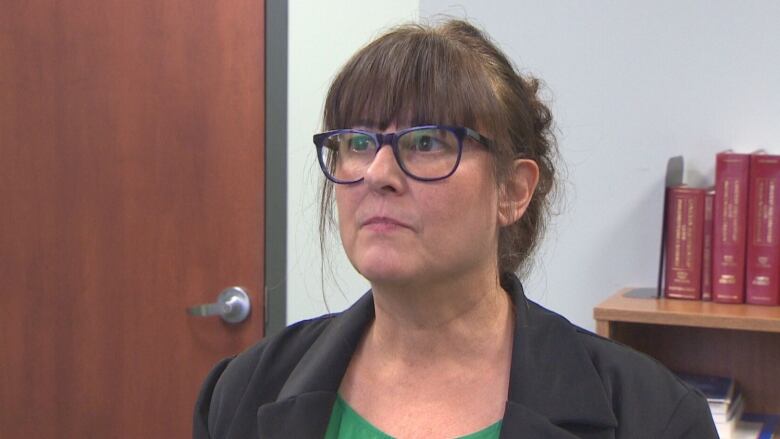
[(378, 259), (385, 270), (385, 276)]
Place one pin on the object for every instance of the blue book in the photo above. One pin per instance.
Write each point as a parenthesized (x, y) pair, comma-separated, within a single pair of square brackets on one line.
[(718, 390), (770, 423)]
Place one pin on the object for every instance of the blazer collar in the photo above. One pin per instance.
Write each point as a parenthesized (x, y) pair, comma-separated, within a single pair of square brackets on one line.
[(553, 383), (305, 402)]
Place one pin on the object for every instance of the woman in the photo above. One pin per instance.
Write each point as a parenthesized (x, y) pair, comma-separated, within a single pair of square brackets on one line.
[(441, 162)]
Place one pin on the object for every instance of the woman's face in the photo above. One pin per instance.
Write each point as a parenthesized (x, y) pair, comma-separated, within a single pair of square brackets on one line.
[(397, 230)]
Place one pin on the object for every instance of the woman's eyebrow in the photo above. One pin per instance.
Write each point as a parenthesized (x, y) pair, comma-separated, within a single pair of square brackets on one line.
[(368, 126), (365, 124)]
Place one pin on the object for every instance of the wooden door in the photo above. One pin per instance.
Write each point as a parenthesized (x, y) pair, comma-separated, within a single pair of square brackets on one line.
[(131, 187)]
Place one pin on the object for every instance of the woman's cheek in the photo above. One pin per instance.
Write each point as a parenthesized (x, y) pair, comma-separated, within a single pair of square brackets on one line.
[(347, 230)]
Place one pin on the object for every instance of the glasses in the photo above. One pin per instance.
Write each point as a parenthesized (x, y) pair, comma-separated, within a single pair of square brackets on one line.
[(425, 153)]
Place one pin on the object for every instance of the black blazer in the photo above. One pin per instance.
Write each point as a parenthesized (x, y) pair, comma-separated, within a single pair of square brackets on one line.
[(565, 382)]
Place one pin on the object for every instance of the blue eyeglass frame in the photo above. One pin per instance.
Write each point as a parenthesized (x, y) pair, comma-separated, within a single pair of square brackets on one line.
[(391, 139)]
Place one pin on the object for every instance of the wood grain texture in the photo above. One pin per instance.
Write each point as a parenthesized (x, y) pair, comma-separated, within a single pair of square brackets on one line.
[(131, 186), (748, 356), (741, 341), (688, 313), (603, 328)]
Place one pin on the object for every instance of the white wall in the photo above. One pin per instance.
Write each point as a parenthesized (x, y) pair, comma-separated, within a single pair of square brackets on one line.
[(322, 36), (633, 83)]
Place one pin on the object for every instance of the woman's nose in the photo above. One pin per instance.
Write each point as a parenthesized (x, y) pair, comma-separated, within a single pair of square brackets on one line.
[(384, 173)]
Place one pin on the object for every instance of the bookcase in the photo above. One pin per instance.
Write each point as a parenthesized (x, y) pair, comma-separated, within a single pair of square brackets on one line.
[(741, 341)]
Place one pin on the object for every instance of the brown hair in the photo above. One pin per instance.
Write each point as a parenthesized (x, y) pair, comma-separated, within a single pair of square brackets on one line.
[(451, 74)]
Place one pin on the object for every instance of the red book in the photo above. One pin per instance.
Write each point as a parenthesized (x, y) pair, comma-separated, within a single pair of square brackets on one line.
[(684, 243), (706, 257), (763, 246), (729, 224)]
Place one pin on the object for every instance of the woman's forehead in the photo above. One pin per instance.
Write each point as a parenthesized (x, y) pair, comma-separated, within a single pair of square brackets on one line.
[(418, 118), (437, 84)]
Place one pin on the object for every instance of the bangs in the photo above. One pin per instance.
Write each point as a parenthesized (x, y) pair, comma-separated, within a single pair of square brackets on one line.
[(411, 76)]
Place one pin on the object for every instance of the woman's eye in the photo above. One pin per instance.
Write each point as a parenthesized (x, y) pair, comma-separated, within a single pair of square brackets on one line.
[(359, 143), (426, 143)]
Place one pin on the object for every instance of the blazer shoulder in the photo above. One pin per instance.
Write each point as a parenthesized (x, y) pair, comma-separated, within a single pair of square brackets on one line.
[(645, 395), (275, 354), (263, 368), (618, 363)]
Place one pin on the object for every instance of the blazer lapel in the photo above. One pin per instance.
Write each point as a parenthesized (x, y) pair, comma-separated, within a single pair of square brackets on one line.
[(520, 422), (554, 390), (303, 416), (553, 385), (305, 402)]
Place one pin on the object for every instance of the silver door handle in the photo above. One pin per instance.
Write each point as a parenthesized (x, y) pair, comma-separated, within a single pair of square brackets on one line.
[(232, 305)]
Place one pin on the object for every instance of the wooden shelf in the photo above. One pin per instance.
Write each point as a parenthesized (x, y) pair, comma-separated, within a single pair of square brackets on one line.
[(741, 341), (640, 305)]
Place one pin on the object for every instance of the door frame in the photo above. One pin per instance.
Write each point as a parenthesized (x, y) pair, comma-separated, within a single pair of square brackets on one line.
[(275, 260)]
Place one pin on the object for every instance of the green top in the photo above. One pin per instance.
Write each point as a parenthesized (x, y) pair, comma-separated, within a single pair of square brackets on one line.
[(346, 423)]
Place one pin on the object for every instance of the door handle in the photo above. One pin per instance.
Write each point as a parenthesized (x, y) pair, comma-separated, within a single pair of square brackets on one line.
[(232, 306)]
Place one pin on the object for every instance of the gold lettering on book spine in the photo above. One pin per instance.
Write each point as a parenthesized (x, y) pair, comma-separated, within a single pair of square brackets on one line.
[(760, 217), (761, 281), (677, 231), (770, 220), (764, 222), (682, 251), (724, 225), (730, 221), (734, 213), (689, 253), (764, 225)]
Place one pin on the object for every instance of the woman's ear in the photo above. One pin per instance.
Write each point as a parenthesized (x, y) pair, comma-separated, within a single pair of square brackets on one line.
[(517, 191)]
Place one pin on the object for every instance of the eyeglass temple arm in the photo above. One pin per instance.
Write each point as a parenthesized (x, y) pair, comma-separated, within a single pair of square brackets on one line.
[(479, 138)]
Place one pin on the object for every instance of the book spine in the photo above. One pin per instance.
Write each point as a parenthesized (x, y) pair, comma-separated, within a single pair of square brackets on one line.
[(685, 239), (729, 217), (763, 246), (706, 257)]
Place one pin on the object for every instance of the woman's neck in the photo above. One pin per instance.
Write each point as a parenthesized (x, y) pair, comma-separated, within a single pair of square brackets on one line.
[(432, 355), (457, 320)]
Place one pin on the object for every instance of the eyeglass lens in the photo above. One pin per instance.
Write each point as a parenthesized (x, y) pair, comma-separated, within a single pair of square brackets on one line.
[(427, 153)]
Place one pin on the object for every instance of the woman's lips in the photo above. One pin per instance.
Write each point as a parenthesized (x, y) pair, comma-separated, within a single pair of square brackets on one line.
[(384, 224)]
